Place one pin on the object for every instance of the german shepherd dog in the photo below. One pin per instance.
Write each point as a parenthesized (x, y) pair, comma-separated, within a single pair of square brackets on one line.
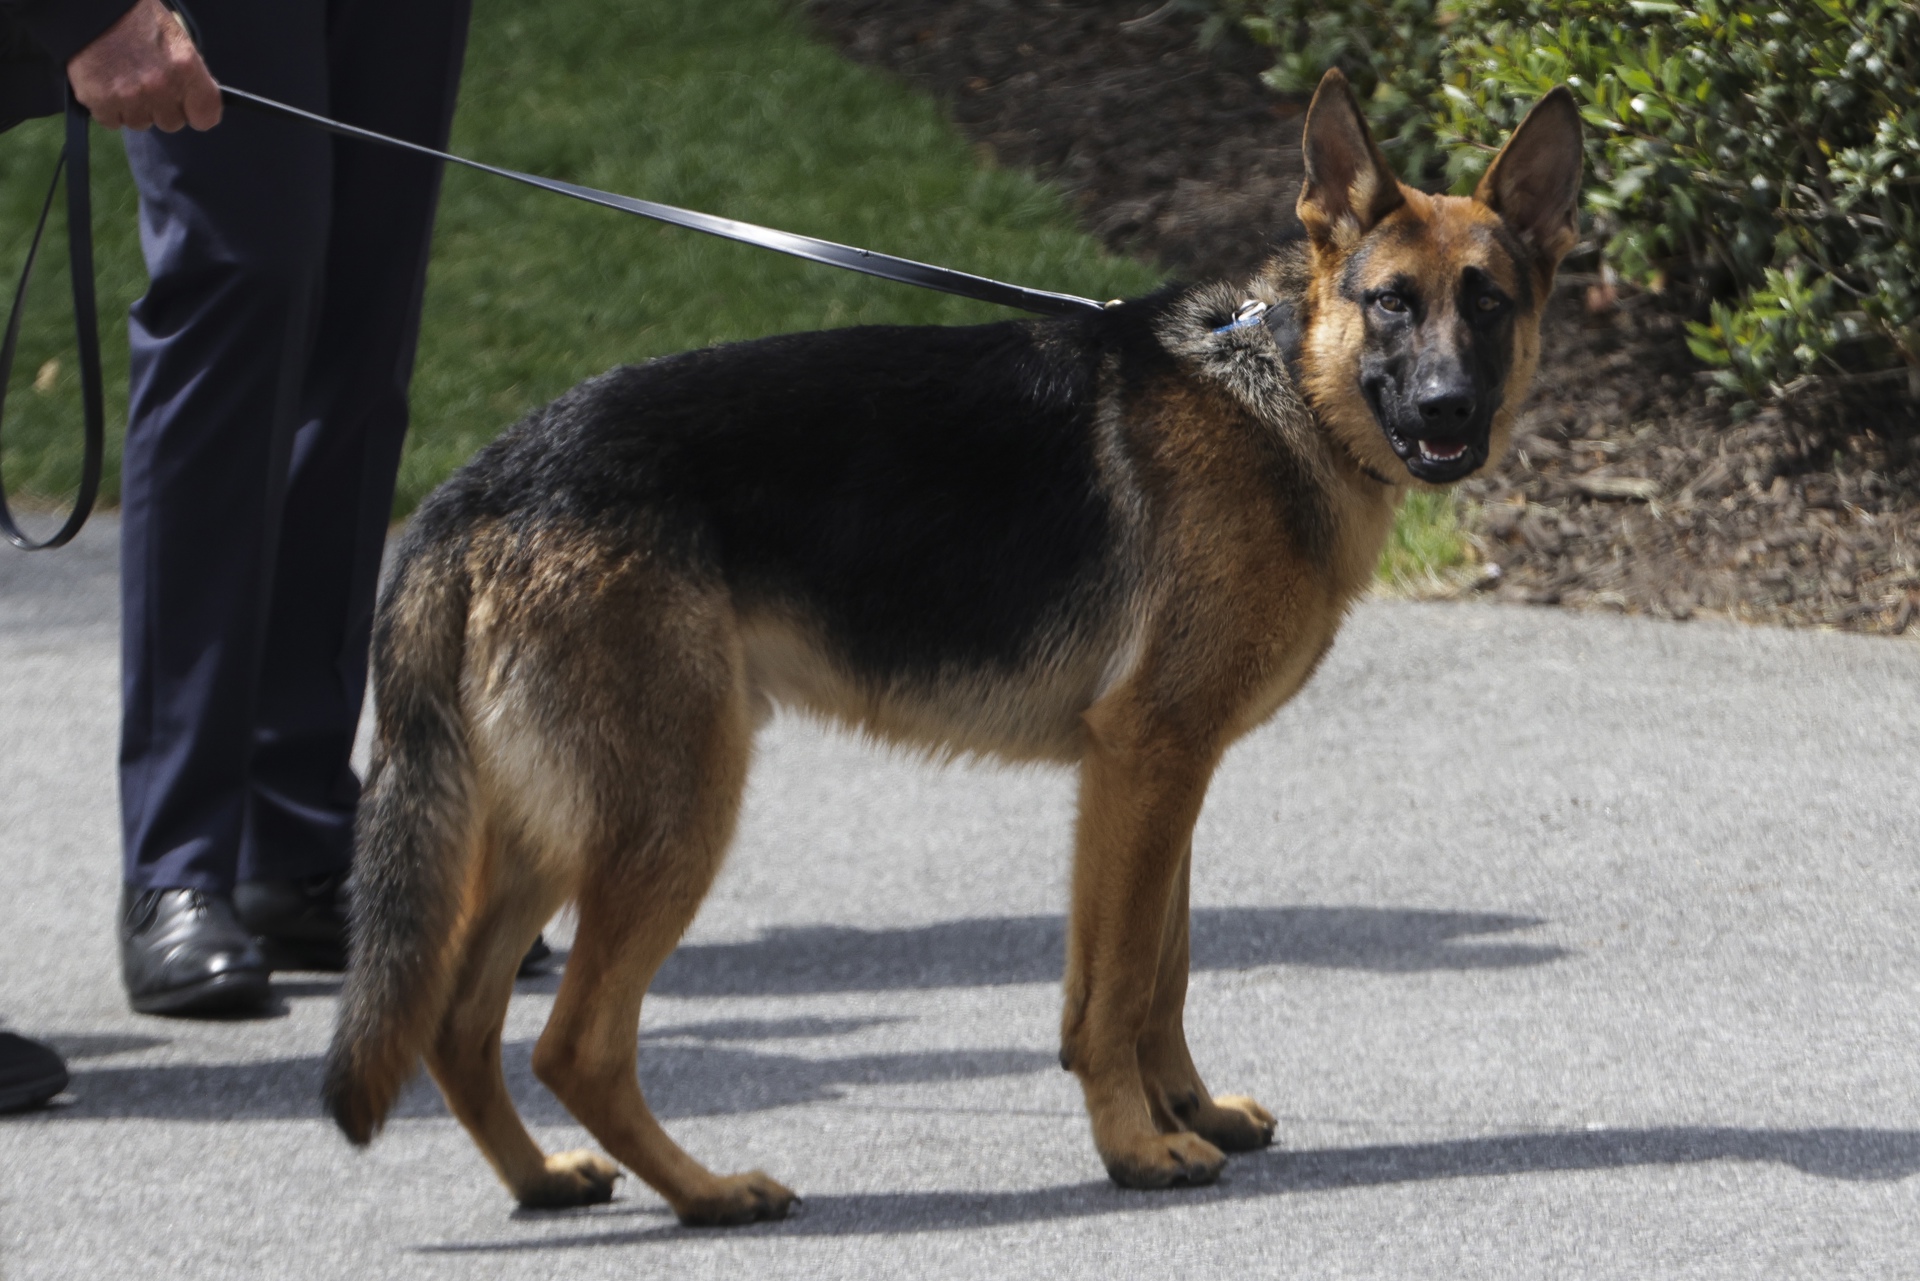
[(1118, 541)]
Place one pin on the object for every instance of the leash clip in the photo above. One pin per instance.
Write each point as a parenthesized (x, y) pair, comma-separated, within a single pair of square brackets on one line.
[(1250, 312)]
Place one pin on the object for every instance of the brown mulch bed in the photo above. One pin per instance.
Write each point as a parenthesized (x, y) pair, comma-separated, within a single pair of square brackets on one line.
[(1627, 488)]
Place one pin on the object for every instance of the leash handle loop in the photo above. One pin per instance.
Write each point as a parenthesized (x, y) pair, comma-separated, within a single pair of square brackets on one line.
[(73, 161)]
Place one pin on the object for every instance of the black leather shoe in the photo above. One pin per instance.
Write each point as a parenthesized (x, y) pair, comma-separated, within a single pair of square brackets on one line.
[(30, 1073), (182, 952), (300, 924)]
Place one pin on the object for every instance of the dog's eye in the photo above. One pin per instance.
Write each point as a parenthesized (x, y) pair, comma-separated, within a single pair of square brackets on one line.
[(1486, 304), (1391, 302)]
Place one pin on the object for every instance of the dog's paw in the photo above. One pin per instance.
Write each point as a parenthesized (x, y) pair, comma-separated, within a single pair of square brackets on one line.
[(1234, 1123), (570, 1179), (1166, 1161), (738, 1198)]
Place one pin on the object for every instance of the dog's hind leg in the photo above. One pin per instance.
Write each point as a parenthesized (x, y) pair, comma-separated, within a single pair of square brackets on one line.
[(1140, 792), (1176, 1095), (639, 895), (515, 900)]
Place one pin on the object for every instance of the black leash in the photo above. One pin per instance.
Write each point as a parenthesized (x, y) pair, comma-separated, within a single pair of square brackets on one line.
[(887, 267), (903, 270), (73, 161)]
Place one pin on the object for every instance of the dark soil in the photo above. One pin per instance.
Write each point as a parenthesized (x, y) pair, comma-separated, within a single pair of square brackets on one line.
[(1627, 488)]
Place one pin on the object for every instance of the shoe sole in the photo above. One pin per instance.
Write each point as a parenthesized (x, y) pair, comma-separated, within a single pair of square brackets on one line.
[(31, 1094), (222, 994)]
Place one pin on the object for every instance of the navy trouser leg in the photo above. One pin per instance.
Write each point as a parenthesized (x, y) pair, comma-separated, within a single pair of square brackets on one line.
[(393, 68), (270, 361), (233, 223)]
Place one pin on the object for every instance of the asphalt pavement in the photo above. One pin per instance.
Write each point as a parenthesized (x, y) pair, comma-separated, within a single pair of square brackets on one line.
[(1561, 946)]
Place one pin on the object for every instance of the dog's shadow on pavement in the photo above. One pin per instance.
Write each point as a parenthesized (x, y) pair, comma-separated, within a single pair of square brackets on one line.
[(1850, 1154), (725, 1066), (1000, 951), (997, 951)]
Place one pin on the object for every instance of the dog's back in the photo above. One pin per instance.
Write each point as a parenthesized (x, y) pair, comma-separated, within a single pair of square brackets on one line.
[(899, 503)]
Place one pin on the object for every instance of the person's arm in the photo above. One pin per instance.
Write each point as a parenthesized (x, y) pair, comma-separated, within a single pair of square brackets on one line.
[(143, 70), (61, 28)]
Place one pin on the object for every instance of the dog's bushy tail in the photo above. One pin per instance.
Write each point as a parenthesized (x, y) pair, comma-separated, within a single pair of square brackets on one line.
[(414, 838)]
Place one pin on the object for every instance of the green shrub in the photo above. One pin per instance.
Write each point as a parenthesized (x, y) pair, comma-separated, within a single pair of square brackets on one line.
[(1390, 51), (1761, 159)]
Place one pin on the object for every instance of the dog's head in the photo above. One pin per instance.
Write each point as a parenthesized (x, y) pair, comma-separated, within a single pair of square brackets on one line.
[(1424, 311)]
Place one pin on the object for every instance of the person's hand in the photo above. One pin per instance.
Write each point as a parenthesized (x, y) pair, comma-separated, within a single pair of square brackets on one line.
[(144, 70)]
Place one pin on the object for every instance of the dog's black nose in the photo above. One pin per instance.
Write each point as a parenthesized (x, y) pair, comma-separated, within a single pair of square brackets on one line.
[(1446, 406)]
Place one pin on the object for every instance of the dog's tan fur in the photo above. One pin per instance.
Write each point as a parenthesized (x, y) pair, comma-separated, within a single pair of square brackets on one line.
[(587, 710)]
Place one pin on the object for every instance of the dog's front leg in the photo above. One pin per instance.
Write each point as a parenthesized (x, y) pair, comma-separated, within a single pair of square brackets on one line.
[(1140, 792), (1176, 1095)]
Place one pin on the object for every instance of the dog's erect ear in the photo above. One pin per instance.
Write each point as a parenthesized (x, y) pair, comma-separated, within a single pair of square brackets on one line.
[(1348, 186), (1534, 183)]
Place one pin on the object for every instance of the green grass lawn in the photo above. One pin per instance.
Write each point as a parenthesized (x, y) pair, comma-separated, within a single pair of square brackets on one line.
[(1427, 553), (727, 106)]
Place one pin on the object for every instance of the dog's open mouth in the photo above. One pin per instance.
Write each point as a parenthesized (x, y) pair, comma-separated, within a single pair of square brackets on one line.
[(1437, 461)]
